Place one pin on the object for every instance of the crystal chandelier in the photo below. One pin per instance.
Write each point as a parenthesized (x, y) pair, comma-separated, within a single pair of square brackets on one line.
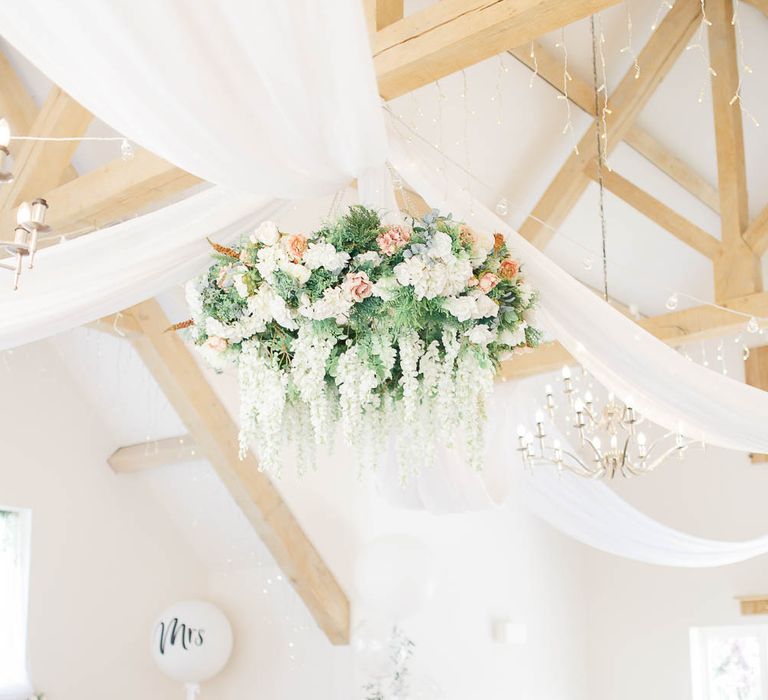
[(609, 440)]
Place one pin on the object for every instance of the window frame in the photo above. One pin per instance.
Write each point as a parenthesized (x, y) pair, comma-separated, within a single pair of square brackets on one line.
[(23, 690), (699, 648)]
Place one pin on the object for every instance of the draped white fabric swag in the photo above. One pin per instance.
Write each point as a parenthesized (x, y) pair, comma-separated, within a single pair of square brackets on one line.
[(276, 98), (279, 99)]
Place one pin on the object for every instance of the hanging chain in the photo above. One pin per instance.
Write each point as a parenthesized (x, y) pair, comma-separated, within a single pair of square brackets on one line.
[(600, 157)]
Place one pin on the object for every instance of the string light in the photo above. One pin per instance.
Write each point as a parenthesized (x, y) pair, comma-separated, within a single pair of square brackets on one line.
[(665, 4), (566, 79), (629, 48), (672, 302), (535, 61), (498, 96), (699, 46), (502, 207), (735, 21), (603, 88), (752, 325)]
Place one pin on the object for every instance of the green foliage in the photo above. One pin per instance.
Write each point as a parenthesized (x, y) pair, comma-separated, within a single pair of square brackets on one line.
[(355, 232)]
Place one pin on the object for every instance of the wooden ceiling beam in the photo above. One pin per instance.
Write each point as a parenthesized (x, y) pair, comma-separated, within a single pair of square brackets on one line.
[(550, 69), (756, 235), (382, 13), (675, 328), (737, 268), (658, 212), (115, 191), (657, 58), (215, 433), (19, 108), (451, 35), (761, 5), (40, 165)]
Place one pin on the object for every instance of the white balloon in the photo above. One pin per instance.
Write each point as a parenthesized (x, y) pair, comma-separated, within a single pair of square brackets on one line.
[(192, 641), (395, 576)]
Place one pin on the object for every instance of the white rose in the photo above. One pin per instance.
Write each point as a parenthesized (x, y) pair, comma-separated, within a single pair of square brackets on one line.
[(267, 233), (485, 306), (463, 308), (268, 260), (513, 338), (298, 272), (482, 245), (386, 288), (480, 335), (280, 311)]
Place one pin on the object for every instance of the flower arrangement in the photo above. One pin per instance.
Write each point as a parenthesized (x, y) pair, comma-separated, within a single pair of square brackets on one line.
[(387, 330)]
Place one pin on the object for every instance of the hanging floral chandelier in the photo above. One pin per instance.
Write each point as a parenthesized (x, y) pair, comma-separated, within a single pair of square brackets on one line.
[(387, 330)]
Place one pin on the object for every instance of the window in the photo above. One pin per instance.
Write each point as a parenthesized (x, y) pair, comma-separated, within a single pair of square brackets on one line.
[(730, 663), (14, 565)]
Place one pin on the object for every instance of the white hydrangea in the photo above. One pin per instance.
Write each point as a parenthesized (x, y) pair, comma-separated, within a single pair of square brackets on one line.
[(526, 292), (431, 277), (193, 295), (335, 303), (267, 305), (268, 260), (385, 288), (325, 255)]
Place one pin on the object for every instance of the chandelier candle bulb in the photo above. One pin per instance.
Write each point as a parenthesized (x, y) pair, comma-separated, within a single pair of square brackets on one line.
[(39, 210)]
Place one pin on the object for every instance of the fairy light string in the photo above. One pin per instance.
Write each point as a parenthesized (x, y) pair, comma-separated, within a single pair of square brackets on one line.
[(629, 48), (568, 128)]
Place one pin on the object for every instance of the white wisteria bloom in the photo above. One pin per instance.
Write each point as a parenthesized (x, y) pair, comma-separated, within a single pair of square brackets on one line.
[(311, 351), (267, 233), (325, 255)]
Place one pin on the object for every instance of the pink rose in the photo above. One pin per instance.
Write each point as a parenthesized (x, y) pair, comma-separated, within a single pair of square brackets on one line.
[(472, 282), (488, 281), (218, 344), (296, 245), (391, 239), (358, 286)]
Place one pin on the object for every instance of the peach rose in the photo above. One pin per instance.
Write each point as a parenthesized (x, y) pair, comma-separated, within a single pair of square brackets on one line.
[(508, 269), (488, 281), (218, 344), (358, 286), (391, 239), (296, 246), (473, 282)]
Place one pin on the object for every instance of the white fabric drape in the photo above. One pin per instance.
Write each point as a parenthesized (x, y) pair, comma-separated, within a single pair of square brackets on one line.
[(107, 271), (666, 388), (276, 98)]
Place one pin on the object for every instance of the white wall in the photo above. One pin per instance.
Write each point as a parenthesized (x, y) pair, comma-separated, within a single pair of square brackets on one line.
[(103, 562), (110, 552), (640, 615)]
